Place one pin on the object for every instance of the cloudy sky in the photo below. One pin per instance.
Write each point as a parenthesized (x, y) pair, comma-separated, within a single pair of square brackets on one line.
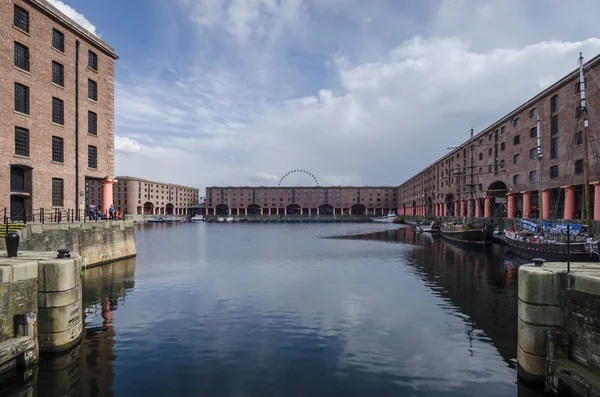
[(213, 92)]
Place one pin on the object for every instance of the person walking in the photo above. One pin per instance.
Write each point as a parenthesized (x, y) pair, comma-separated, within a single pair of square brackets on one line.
[(111, 212), (92, 211)]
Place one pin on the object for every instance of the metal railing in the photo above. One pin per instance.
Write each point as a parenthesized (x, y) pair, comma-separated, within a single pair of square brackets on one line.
[(58, 215)]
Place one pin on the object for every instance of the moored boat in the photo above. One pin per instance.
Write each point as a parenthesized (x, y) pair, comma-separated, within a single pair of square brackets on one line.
[(466, 233), (428, 226), (197, 218), (389, 218)]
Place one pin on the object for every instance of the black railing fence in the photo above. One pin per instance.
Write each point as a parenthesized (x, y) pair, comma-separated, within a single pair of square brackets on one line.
[(57, 215)]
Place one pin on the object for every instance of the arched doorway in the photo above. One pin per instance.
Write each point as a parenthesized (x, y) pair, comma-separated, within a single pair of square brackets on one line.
[(326, 209), (169, 209), (498, 191), (148, 208), (254, 209), (222, 209), (359, 209), (293, 209), (450, 204)]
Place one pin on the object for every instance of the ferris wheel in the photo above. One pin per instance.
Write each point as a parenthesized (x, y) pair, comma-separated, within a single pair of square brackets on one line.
[(299, 172)]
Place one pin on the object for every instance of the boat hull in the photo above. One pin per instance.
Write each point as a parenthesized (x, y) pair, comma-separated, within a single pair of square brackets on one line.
[(554, 252), (481, 236), (427, 229)]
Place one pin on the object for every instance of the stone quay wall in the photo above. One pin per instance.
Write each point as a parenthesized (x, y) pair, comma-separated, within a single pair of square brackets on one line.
[(96, 243)]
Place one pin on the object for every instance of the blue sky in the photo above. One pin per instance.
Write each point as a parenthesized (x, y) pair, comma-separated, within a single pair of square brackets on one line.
[(213, 92)]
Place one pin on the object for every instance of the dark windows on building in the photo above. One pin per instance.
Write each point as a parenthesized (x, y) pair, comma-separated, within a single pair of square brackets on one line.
[(532, 176), (516, 122), (21, 56), (516, 180), (92, 90), (57, 150), (480, 156), (21, 18), (579, 166), (21, 98), (533, 132), (502, 163), (57, 192), (502, 130), (554, 148), (92, 123), (21, 141), (92, 60), (58, 40), (502, 146), (58, 111), (554, 125), (92, 157), (554, 172), (517, 159), (533, 113), (517, 140), (58, 74), (554, 104), (533, 154), (489, 151), (579, 138)]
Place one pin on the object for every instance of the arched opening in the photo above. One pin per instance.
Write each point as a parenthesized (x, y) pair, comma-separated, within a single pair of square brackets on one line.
[(254, 209), (498, 191), (326, 209), (429, 206), (450, 204), (17, 208), (148, 208), (222, 209), (293, 209), (169, 208), (359, 209)]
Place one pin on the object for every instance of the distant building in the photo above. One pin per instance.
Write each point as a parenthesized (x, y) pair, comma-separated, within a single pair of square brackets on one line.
[(302, 200), (38, 108), (505, 161), (141, 196)]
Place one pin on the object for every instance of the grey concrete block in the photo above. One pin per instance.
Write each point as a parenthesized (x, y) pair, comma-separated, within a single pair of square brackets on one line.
[(532, 368), (540, 315), (538, 285), (60, 341), (59, 299), (532, 338), (59, 275), (59, 319)]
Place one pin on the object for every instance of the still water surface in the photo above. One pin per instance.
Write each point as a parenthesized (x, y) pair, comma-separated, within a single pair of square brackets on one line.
[(280, 310)]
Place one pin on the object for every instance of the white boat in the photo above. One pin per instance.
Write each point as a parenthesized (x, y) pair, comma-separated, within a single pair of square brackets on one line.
[(229, 219), (197, 218), (389, 218), (428, 226)]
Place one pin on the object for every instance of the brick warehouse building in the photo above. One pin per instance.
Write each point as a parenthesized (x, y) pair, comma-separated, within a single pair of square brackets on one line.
[(308, 200), (506, 161), (141, 196), (38, 137)]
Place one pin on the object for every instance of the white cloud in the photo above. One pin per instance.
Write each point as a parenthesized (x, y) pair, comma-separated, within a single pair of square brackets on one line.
[(127, 145), (75, 16), (262, 177), (352, 106)]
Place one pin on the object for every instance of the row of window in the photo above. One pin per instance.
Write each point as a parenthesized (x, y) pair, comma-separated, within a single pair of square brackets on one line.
[(21, 21), (553, 172), (22, 148)]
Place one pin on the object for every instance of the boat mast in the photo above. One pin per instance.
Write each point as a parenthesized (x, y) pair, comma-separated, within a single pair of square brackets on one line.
[(540, 156), (472, 185), (584, 133)]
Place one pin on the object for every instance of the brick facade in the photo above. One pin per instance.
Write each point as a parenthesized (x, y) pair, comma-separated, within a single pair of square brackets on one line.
[(510, 186), (140, 196), (305, 200), (37, 166)]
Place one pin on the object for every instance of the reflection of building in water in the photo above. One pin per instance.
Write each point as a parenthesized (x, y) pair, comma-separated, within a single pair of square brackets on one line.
[(478, 281), (112, 281)]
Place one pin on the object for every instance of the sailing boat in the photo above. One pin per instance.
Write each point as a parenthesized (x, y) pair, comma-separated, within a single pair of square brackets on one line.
[(470, 232), (555, 241)]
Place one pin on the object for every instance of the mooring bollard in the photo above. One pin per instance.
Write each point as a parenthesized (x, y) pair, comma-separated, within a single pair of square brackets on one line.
[(12, 244)]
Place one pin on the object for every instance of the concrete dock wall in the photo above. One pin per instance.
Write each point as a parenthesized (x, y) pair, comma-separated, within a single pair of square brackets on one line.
[(95, 242)]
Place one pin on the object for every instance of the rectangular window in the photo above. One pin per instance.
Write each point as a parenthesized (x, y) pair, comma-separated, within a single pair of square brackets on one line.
[(58, 111), (517, 159), (579, 138), (92, 60), (517, 140), (554, 104), (579, 167), (516, 180), (554, 172), (58, 74), (533, 113), (502, 146), (92, 123), (58, 40), (21, 98), (21, 56), (21, 141), (533, 132), (516, 122), (554, 125), (92, 90), (57, 192), (533, 177), (92, 157), (57, 149), (21, 19), (533, 154), (577, 112), (554, 148)]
